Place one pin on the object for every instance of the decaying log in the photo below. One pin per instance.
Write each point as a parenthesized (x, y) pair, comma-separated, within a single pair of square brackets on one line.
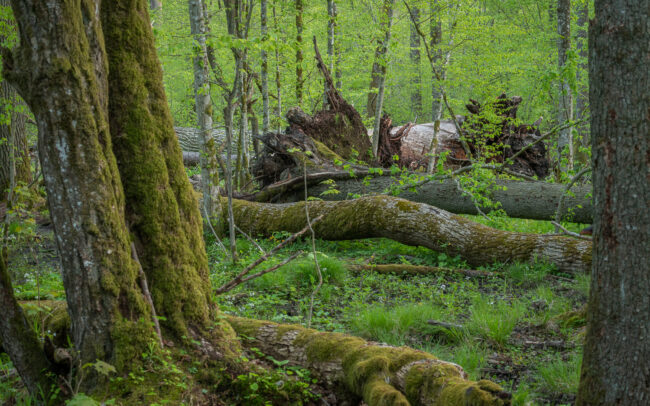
[(404, 269), (415, 224), (352, 368), (379, 374), (529, 200), (503, 135)]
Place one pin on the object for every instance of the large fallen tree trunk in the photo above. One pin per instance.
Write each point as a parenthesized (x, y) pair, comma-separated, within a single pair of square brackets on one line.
[(529, 200), (378, 374), (414, 224), (350, 367)]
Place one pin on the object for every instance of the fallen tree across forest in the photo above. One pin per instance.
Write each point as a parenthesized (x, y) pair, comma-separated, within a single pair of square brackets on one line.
[(351, 368), (519, 199), (414, 224), (377, 373)]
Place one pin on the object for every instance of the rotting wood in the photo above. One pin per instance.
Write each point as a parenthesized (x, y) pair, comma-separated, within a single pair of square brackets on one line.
[(416, 224), (377, 373)]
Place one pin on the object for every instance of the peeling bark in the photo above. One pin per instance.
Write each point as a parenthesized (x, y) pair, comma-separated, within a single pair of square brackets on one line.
[(415, 224), (377, 373)]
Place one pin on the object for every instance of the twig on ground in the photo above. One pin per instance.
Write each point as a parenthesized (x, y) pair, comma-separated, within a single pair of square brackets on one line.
[(249, 238), (216, 236), (239, 278)]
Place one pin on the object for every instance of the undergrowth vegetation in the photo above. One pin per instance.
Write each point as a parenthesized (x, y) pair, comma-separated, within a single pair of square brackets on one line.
[(521, 326)]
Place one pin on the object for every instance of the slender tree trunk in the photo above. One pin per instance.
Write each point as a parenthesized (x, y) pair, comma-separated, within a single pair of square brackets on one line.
[(243, 155), (615, 366), (203, 105), (582, 101), (331, 28), (15, 161), (379, 63), (155, 5), (299, 56), (83, 184), (416, 94), (338, 73), (265, 68), (435, 29), (278, 77), (565, 111), (19, 339)]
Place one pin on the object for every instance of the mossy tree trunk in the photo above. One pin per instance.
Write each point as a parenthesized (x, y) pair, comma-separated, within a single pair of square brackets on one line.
[(161, 208), (61, 71), (114, 174), (355, 369), (415, 224), (19, 339), (616, 363)]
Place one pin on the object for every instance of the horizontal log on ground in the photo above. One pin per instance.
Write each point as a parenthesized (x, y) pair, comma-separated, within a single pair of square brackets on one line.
[(520, 199), (415, 224), (417, 270), (379, 374)]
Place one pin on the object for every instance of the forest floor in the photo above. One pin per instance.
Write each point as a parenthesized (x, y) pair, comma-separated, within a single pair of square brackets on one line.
[(520, 326)]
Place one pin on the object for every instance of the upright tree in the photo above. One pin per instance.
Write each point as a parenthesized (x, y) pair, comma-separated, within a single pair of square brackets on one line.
[(299, 56), (565, 108), (379, 63), (414, 54), (114, 176), (265, 66), (582, 95), (616, 362)]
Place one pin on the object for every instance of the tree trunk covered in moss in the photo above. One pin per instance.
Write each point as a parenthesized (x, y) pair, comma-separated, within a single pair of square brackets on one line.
[(19, 339), (61, 71), (616, 363), (161, 208), (203, 108), (355, 369), (529, 200), (415, 224)]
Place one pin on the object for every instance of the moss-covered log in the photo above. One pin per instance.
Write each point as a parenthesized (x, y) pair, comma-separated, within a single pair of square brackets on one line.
[(415, 224), (379, 374), (529, 200)]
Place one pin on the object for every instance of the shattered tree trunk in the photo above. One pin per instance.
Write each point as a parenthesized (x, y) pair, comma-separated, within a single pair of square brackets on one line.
[(415, 224), (529, 200), (355, 369)]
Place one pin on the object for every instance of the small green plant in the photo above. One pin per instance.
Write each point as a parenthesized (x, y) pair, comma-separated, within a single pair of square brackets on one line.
[(528, 275), (560, 377), (494, 319)]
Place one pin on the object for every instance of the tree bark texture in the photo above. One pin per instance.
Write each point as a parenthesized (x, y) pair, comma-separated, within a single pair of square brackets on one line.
[(415, 224), (61, 71), (299, 57), (416, 94), (18, 338), (582, 96), (529, 200), (265, 67), (379, 62), (203, 108), (161, 209), (379, 374), (565, 109), (616, 367)]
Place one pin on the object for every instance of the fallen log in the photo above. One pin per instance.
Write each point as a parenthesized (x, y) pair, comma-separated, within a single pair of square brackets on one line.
[(379, 374), (351, 367), (529, 200), (404, 269), (415, 224)]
